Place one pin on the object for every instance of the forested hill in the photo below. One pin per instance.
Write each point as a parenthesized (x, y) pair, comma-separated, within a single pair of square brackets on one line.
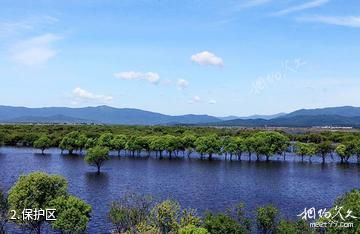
[(99, 114), (296, 121), (346, 116)]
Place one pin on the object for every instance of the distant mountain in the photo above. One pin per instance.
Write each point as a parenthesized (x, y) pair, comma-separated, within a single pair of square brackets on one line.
[(99, 114), (296, 121), (347, 111), (47, 119), (346, 116)]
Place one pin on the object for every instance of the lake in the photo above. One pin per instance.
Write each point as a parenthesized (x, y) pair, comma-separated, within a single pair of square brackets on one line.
[(205, 185)]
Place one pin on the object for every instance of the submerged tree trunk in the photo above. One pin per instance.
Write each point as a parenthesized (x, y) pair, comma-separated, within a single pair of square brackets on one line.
[(239, 156), (98, 168), (267, 158), (210, 156)]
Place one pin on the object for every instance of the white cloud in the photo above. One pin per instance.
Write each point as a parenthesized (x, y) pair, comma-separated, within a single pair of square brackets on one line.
[(35, 51), (195, 99), (207, 58), (212, 101), (348, 21), (152, 77), (81, 95), (301, 7), (182, 84)]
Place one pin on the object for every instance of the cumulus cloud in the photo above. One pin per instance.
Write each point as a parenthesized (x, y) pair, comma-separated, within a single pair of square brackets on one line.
[(182, 84), (35, 51), (348, 21), (212, 101), (301, 7), (207, 58), (151, 77), (81, 95)]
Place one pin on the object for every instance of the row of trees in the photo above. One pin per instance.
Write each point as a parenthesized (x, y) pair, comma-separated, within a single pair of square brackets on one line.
[(142, 214), (261, 144)]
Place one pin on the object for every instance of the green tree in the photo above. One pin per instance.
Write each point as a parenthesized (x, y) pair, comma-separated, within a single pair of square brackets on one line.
[(81, 142), (286, 227), (192, 229), (70, 142), (158, 145), (90, 143), (229, 146), (42, 143), (189, 217), (96, 156), (266, 219), (118, 143), (189, 143), (250, 144), (35, 191), (4, 208), (105, 140), (343, 152), (165, 216), (221, 223), (305, 149), (72, 214), (129, 212), (347, 204), (323, 149), (208, 145)]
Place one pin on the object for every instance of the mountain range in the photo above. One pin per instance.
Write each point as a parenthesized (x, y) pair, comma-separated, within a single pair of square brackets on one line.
[(345, 116)]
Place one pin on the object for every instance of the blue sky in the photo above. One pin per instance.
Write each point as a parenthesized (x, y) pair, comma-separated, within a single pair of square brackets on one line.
[(221, 57)]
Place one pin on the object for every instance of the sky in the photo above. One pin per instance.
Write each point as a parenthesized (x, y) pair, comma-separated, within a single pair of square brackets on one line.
[(216, 57)]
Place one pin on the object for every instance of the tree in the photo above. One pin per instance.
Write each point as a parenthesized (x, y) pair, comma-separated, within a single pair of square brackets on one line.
[(134, 144), (229, 146), (303, 149), (4, 208), (266, 219), (72, 214), (286, 227), (323, 149), (165, 216), (158, 145), (70, 142), (35, 191), (42, 143), (81, 142), (96, 156), (249, 144), (189, 143), (346, 204), (118, 143), (171, 144), (90, 143), (105, 140), (192, 229), (208, 145), (129, 212), (221, 223), (189, 217), (240, 146), (343, 152)]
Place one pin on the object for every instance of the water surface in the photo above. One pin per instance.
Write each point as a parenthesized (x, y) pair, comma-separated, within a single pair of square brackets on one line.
[(290, 185)]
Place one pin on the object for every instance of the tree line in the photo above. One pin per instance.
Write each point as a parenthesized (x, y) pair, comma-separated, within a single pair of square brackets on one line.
[(142, 214), (261, 145)]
